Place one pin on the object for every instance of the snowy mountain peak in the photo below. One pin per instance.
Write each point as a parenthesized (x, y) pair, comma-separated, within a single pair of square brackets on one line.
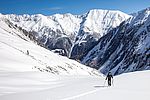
[(96, 20), (140, 17), (100, 21), (145, 10)]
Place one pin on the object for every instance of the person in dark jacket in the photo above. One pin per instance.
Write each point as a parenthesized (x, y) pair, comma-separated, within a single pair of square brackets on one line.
[(109, 77), (27, 52)]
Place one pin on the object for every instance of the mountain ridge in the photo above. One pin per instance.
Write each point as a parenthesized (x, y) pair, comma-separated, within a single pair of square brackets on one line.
[(51, 30), (125, 48)]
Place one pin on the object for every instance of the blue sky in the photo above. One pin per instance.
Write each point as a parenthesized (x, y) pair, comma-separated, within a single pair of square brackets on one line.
[(49, 7)]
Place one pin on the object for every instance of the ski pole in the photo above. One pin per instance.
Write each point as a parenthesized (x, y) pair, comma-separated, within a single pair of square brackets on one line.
[(112, 81)]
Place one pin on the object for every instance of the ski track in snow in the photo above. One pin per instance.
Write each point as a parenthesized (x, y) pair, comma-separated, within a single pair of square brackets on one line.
[(80, 95)]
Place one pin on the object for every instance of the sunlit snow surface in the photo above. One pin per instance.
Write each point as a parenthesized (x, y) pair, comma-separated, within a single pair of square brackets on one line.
[(40, 86)]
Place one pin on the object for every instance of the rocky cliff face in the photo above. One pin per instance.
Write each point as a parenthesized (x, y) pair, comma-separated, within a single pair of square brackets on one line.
[(94, 25), (125, 48)]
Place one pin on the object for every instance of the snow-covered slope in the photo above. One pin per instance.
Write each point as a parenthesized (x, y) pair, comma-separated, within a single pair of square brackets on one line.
[(18, 53), (39, 86), (125, 48), (61, 32), (101, 21)]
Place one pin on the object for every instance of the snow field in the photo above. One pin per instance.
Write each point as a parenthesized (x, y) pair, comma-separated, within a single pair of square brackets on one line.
[(42, 86)]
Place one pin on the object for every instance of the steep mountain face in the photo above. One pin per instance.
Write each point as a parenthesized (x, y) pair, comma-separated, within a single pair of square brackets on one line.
[(67, 34), (125, 48), (19, 54), (94, 25)]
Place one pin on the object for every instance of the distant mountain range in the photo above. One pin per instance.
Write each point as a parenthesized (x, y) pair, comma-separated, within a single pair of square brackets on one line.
[(65, 33), (103, 39)]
